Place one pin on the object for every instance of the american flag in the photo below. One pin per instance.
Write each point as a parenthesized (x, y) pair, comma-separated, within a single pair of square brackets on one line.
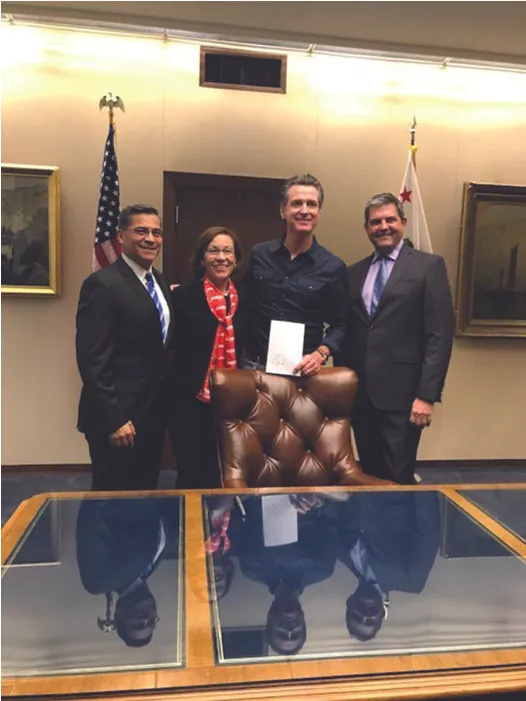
[(106, 248)]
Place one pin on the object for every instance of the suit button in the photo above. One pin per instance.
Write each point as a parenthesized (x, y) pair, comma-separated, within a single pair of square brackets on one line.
[(371, 327)]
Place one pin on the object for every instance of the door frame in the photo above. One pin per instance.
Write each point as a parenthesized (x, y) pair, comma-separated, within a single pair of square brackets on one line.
[(172, 180)]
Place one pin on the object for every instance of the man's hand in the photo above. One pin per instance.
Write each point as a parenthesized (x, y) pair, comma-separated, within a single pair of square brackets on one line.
[(309, 364), (421, 413), (123, 437), (221, 506), (305, 502)]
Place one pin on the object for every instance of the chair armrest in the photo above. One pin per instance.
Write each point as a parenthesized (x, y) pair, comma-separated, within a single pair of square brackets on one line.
[(234, 484), (350, 475), (363, 480)]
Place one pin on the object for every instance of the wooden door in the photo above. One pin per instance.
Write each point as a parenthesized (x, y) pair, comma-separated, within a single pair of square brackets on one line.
[(193, 202)]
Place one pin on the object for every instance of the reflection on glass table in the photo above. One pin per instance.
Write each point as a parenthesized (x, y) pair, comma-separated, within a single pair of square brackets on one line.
[(504, 505), (112, 599), (306, 576)]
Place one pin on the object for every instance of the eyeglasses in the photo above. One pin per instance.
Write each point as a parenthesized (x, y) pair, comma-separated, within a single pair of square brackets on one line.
[(214, 252), (144, 231)]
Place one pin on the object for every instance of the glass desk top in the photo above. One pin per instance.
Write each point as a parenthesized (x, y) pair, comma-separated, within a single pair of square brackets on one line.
[(173, 591), (374, 573), (507, 506), (96, 585)]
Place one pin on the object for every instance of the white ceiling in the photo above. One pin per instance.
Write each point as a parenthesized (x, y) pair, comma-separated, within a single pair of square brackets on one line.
[(473, 30)]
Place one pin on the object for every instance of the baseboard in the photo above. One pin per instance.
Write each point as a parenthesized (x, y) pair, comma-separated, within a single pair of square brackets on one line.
[(75, 467), (421, 465), (456, 464)]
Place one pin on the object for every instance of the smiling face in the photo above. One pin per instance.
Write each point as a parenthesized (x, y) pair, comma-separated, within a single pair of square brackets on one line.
[(219, 260), (142, 240), (385, 228), (301, 212)]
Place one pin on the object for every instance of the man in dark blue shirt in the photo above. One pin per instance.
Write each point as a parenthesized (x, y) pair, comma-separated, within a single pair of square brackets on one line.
[(295, 279)]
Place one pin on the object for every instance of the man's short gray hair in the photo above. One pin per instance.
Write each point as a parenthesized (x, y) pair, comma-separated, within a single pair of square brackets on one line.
[(380, 201), (306, 179)]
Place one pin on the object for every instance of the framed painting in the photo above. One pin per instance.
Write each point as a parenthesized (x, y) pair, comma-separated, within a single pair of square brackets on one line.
[(30, 230), (491, 295)]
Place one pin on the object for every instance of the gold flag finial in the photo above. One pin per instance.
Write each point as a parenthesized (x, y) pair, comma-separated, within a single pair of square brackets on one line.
[(412, 147), (111, 102), (412, 131)]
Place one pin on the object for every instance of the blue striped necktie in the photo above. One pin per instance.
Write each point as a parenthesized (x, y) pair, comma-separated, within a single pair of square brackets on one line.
[(379, 284), (150, 286)]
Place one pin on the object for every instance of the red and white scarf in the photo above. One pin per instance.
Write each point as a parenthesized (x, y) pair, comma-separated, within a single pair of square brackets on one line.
[(219, 539), (224, 350)]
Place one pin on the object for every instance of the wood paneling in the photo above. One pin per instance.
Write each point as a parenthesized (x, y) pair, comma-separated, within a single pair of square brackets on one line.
[(200, 649)]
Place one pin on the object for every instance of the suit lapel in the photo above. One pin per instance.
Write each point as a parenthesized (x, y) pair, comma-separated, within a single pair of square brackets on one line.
[(138, 287), (396, 274), (358, 280), (164, 287), (168, 297), (134, 282)]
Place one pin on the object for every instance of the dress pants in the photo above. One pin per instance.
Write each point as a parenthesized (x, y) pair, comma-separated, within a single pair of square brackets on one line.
[(127, 468), (387, 443), (193, 435)]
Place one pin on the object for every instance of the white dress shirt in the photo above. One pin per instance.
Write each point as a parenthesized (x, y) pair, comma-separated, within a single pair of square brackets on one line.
[(141, 274)]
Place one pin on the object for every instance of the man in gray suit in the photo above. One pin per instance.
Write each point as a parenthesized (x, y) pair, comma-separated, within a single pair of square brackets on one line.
[(401, 326)]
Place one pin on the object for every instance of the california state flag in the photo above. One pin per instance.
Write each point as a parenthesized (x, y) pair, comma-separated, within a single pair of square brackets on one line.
[(416, 227)]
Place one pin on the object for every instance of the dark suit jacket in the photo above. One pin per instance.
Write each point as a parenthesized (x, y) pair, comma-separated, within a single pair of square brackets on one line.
[(120, 353), (403, 351), (308, 561), (117, 539), (400, 532), (195, 329)]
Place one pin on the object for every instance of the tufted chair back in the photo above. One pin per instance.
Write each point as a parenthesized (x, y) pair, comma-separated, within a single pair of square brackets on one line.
[(276, 431)]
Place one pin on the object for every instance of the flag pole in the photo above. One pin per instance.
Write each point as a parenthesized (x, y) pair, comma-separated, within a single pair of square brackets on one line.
[(412, 147), (106, 247)]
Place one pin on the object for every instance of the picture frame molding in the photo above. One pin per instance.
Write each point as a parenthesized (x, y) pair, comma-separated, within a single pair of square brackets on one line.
[(466, 325), (54, 232)]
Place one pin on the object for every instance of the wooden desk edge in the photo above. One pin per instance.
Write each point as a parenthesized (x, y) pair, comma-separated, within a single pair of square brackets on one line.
[(384, 687), (20, 520), (497, 530)]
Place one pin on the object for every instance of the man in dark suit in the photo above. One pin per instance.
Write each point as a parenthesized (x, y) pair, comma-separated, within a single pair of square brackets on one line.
[(120, 544), (123, 329), (401, 327), (389, 540)]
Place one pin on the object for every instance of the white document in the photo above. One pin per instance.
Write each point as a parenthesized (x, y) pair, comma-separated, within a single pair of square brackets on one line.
[(285, 347), (280, 520)]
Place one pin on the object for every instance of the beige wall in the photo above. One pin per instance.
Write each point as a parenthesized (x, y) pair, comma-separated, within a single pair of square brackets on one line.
[(344, 119)]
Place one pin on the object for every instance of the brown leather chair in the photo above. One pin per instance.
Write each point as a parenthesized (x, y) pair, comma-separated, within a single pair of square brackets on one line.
[(276, 431)]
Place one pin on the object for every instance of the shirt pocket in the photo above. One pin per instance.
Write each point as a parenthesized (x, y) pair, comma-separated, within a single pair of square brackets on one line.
[(268, 285), (311, 286), (310, 295)]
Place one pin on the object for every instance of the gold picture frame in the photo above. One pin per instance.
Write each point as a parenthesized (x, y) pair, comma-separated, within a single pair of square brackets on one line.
[(30, 230), (491, 295)]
